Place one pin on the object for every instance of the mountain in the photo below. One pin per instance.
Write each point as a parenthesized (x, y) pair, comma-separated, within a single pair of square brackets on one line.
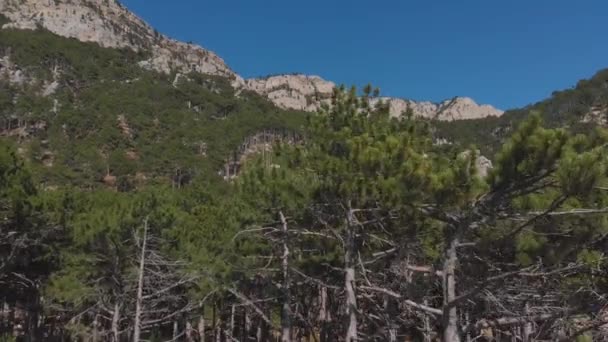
[(114, 141), (308, 93), (86, 115), (111, 25), (90, 94), (579, 109)]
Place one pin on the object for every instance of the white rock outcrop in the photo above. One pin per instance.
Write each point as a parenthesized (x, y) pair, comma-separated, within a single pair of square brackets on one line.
[(483, 166), (457, 108), (110, 24), (308, 93), (299, 92), (11, 73)]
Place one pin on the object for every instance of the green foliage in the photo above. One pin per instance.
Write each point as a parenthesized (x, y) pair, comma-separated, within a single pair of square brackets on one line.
[(276, 187), (568, 108), (3, 20), (7, 338), (531, 151), (362, 155), (584, 338), (113, 115)]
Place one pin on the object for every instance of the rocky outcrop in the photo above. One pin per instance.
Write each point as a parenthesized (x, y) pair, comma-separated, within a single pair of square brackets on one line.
[(457, 108), (11, 73), (308, 93), (483, 166), (299, 92), (597, 115), (110, 24)]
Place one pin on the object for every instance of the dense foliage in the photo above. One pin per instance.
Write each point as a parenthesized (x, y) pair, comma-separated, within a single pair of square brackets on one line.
[(109, 115), (579, 109), (364, 229)]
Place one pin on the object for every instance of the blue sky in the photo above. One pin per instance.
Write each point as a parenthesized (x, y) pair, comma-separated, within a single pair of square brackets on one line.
[(506, 53)]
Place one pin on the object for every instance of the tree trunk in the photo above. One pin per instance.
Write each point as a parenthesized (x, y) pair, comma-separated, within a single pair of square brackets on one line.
[(218, 331), (31, 316), (285, 310), (259, 332), (189, 332), (324, 317), (232, 313), (246, 325), (450, 315), (427, 326), (201, 327), (95, 327), (140, 285), (115, 323), (175, 329), (214, 321), (527, 328), (349, 278)]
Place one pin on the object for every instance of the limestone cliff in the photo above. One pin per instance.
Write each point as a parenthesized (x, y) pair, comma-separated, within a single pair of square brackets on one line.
[(110, 24), (457, 108), (299, 92), (308, 93)]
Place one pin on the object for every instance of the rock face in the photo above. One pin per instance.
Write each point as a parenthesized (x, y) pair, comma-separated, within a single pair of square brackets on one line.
[(299, 92), (308, 93), (110, 24), (10, 72), (483, 165), (457, 108), (597, 115)]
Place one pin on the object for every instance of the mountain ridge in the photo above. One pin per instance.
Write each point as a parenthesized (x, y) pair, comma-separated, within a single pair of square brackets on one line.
[(112, 25)]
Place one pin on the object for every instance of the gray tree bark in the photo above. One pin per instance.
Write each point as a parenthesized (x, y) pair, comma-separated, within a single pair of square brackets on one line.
[(450, 314), (201, 327), (116, 323), (140, 285), (95, 337), (528, 329), (350, 277), (175, 329), (285, 310)]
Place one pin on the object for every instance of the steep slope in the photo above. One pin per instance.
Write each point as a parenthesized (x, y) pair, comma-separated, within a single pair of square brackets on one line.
[(579, 108), (83, 114), (457, 108), (300, 92), (111, 25), (308, 93)]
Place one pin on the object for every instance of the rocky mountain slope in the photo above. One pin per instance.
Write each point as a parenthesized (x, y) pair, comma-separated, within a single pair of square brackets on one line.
[(580, 109), (308, 93), (110, 24)]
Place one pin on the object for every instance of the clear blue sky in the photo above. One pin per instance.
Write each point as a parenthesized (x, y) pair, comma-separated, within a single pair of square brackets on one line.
[(507, 53)]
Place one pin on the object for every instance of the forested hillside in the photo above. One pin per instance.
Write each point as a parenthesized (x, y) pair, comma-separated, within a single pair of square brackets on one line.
[(123, 216), (580, 109), (81, 113)]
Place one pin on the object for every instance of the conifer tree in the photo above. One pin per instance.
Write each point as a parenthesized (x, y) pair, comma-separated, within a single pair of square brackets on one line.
[(360, 155), (502, 232)]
